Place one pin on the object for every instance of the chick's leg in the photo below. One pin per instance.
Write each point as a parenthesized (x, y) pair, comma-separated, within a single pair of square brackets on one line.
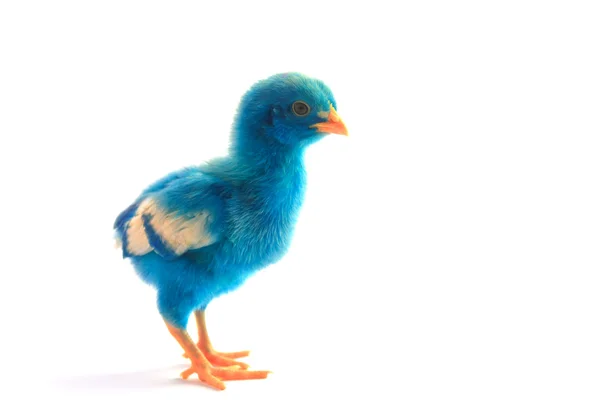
[(216, 358), (213, 376)]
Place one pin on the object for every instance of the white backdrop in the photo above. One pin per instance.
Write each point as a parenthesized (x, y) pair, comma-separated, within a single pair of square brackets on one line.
[(448, 249)]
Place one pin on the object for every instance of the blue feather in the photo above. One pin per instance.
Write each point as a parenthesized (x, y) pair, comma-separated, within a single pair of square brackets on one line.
[(124, 244), (125, 216)]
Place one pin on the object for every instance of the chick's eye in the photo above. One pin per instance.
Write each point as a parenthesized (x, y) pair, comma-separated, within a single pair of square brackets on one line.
[(300, 108)]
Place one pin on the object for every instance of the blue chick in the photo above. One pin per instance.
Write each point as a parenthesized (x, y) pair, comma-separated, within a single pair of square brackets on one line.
[(200, 232)]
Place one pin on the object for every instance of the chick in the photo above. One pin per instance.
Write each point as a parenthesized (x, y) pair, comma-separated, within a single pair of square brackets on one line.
[(200, 232)]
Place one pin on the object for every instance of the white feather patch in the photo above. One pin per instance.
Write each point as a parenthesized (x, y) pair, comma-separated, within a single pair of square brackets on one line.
[(180, 233), (137, 241)]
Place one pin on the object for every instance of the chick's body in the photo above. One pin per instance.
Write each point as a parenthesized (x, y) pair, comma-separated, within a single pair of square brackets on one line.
[(202, 231), (253, 212)]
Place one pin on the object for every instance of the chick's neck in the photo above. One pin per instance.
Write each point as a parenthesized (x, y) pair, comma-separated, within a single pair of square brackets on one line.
[(261, 155)]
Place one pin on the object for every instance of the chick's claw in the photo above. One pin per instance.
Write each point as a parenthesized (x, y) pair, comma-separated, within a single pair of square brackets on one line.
[(218, 359), (204, 374), (231, 374), (215, 376), (234, 355)]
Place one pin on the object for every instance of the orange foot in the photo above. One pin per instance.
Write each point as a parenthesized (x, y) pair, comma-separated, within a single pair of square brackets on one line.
[(219, 359), (214, 376)]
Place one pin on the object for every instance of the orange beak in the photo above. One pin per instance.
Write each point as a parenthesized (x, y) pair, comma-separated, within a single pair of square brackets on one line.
[(334, 124)]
